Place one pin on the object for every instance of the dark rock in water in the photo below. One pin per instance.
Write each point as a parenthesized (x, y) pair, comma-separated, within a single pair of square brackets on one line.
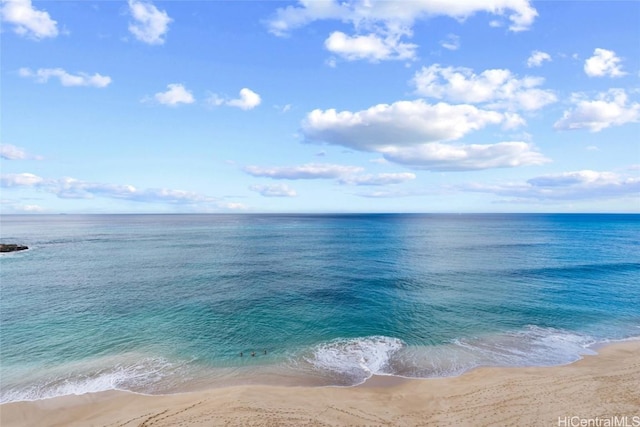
[(11, 247)]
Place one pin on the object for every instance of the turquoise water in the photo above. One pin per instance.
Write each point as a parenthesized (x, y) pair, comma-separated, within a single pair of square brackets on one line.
[(166, 303)]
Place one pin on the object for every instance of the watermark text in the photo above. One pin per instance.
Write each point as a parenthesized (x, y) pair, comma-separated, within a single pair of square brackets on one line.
[(613, 421)]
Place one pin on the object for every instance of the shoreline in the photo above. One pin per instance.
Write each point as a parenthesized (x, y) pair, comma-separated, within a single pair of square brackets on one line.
[(604, 385)]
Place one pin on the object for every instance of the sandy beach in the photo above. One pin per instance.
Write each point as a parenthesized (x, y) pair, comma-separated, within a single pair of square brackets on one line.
[(603, 389)]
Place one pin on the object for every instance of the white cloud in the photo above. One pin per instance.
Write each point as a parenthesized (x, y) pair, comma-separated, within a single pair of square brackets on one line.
[(331, 62), (150, 24), (412, 133), (387, 194), (379, 160), (392, 192), (18, 206), (378, 179), (275, 190), (603, 63), (347, 175), (451, 42), (175, 94), (497, 87), (27, 20), (29, 208), (247, 101), (392, 15), (306, 171), (43, 75), (235, 206), (576, 185), (371, 47), (448, 157), (20, 180), (537, 58), (11, 152), (71, 188), (513, 121), (610, 108), (215, 100), (380, 25), (399, 124)]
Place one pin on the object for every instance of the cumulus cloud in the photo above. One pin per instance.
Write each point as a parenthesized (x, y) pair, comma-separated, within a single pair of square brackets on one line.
[(498, 88), (306, 171), (175, 94), (451, 42), (150, 24), (247, 101), (275, 190), (378, 179), (537, 58), (28, 21), (372, 47), (603, 63), (449, 157), (402, 123), (380, 25), (575, 185), (412, 133), (611, 108), (11, 152), (43, 75)]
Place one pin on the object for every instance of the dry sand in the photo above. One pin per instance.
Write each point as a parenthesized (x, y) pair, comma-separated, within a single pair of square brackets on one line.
[(597, 389)]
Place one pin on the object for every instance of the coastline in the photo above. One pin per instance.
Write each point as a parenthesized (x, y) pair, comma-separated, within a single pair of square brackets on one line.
[(602, 386)]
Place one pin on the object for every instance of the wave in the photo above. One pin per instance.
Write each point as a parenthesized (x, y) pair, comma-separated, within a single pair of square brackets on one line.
[(339, 362), (129, 372), (353, 361)]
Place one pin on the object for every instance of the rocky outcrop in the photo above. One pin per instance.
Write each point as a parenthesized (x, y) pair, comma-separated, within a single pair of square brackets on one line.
[(12, 247)]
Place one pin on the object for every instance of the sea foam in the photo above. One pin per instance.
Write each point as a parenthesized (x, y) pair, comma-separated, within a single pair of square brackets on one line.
[(531, 346), (352, 361), (357, 359), (124, 372)]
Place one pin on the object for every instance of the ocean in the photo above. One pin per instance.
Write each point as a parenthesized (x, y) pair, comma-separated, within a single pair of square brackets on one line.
[(167, 303)]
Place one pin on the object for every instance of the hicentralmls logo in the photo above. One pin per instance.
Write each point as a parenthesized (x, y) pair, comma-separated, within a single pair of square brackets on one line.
[(615, 421)]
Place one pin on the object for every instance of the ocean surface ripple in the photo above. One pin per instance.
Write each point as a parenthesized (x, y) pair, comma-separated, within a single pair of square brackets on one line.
[(167, 303)]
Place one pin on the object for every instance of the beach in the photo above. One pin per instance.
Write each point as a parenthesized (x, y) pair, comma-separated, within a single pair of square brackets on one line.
[(179, 320), (602, 389)]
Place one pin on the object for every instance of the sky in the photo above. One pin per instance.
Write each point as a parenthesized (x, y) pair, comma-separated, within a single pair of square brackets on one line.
[(319, 106)]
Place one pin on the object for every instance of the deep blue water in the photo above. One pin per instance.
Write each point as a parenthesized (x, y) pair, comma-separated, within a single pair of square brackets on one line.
[(164, 303)]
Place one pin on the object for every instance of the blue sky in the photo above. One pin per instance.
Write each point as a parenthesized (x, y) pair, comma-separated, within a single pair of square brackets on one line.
[(320, 106)]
